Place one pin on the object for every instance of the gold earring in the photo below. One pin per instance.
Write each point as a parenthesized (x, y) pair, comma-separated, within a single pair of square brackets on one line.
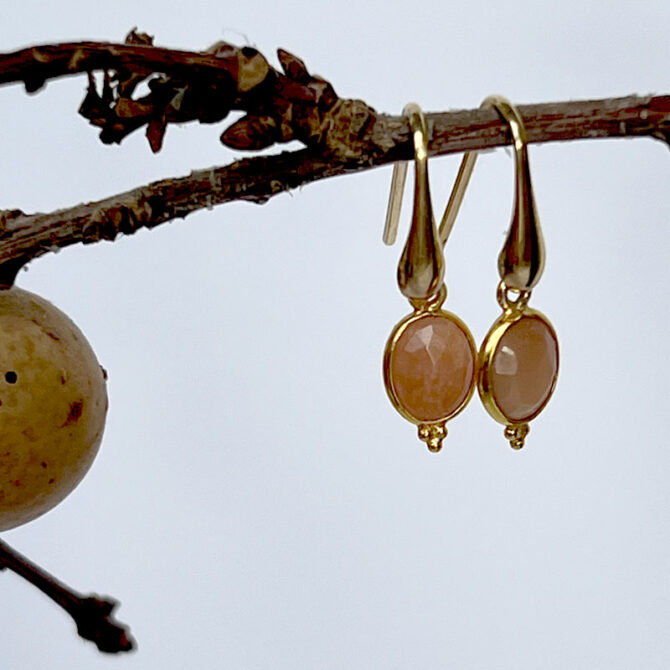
[(429, 360), (518, 360)]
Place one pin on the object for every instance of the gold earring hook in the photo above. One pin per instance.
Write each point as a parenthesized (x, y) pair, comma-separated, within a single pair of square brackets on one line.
[(395, 203), (421, 267), (521, 261)]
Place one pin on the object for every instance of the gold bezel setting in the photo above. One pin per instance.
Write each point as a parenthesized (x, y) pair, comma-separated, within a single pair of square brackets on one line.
[(430, 431), (516, 428)]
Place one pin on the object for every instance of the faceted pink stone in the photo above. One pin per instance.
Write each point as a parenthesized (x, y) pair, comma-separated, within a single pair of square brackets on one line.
[(524, 368), (432, 367)]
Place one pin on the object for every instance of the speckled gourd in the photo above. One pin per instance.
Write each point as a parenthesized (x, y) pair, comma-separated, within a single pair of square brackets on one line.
[(53, 403)]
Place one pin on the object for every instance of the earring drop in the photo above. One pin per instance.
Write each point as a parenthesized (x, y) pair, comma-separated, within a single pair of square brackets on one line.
[(518, 360), (429, 360)]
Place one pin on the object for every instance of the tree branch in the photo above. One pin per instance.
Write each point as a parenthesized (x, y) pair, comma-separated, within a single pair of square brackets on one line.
[(342, 136), (92, 615)]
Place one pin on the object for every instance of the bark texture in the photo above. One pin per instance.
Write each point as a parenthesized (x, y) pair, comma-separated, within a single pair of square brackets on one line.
[(341, 136)]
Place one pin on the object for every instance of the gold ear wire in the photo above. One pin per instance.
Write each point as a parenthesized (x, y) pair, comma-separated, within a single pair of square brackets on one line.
[(521, 261), (421, 266), (395, 203)]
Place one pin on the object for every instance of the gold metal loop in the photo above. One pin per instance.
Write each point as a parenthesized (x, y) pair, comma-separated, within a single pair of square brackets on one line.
[(521, 260), (421, 266), (432, 304), (518, 304)]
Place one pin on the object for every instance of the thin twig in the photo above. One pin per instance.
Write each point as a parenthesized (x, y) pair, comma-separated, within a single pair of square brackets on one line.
[(92, 615), (184, 86)]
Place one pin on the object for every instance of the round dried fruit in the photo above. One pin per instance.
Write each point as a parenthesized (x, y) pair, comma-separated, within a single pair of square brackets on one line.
[(53, 402)]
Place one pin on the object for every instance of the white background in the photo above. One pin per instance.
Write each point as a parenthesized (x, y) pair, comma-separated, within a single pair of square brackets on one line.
[(257, 502)]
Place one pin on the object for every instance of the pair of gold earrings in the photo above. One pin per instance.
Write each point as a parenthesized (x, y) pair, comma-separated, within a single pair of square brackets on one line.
[(431, 364)]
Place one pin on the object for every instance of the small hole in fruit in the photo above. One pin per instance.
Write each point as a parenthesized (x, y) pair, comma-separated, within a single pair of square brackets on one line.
[(11, 377)]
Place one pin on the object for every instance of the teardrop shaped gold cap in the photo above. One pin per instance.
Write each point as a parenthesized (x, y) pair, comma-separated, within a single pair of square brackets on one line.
[(421, 266), (521, 261)]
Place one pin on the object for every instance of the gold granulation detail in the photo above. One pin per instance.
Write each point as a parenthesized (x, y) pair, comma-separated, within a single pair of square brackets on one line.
[(433, 434), (516, 434)]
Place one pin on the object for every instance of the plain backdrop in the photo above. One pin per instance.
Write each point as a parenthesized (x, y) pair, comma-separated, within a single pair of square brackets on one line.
[(257, 503)]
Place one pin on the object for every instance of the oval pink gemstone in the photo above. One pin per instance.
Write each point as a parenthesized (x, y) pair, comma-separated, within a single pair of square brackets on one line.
[(524, 368), (432, 367)]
